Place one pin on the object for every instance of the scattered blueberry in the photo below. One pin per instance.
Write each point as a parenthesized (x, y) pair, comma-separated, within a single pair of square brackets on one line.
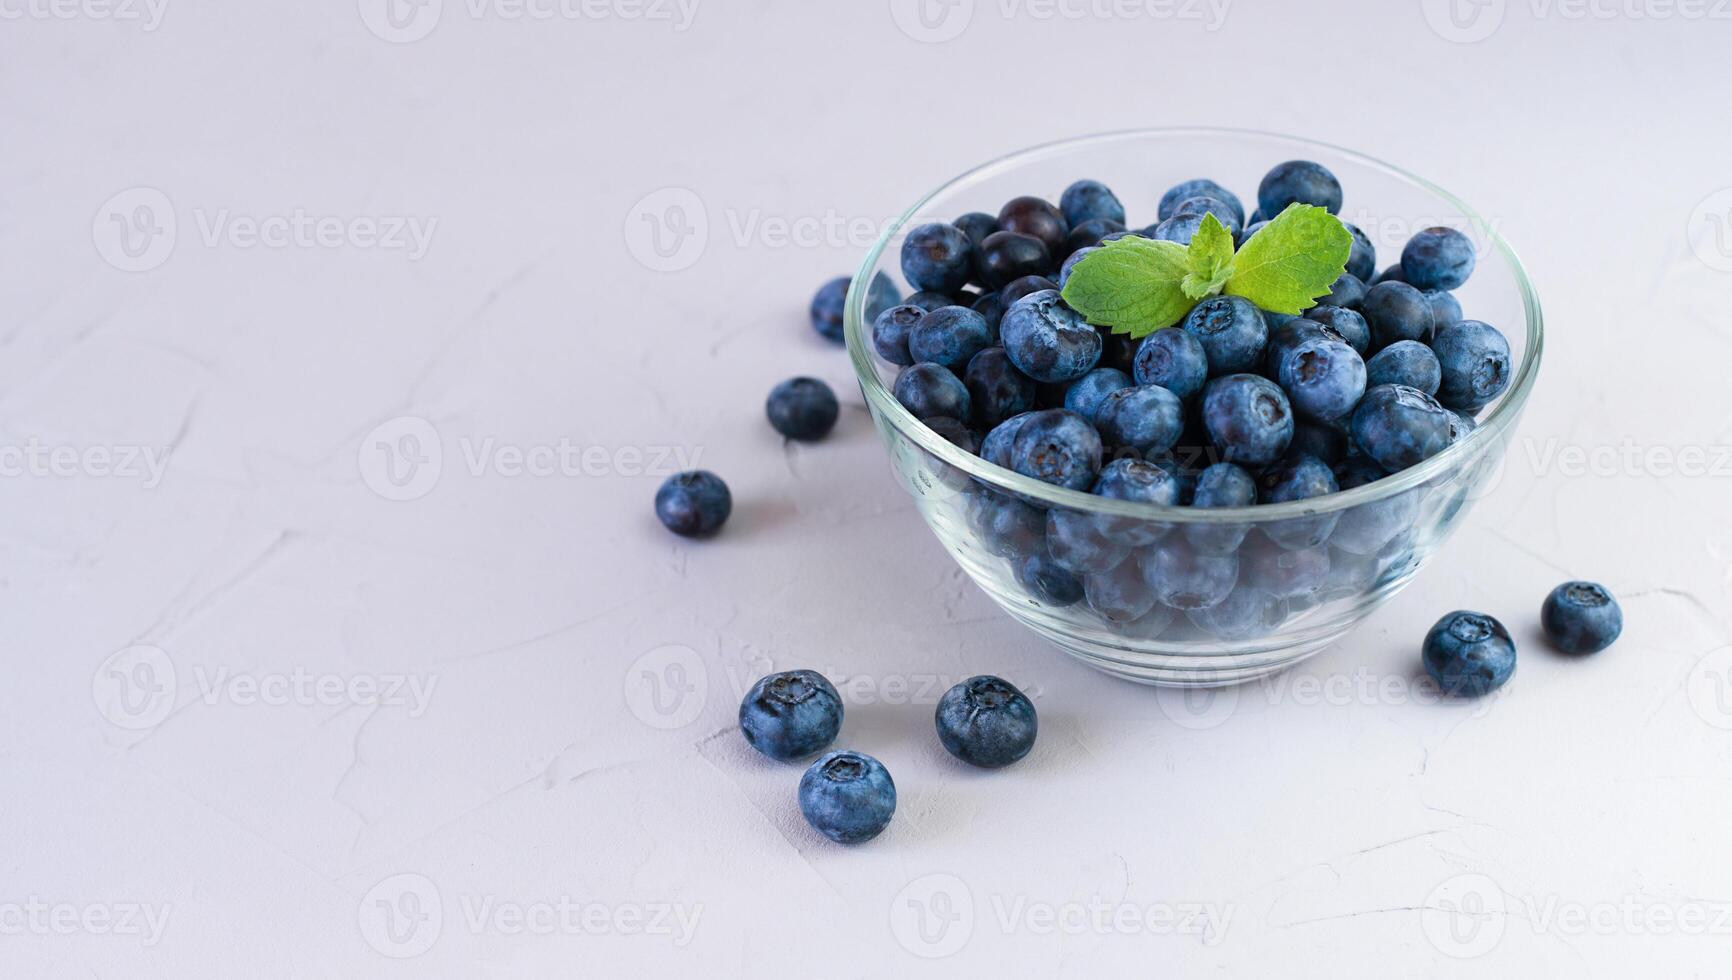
[(791, 714), (1475, 363), (1248, 418), (1088, 200), (949, 335), (1047, 340), (1232, 331), (1469, 654), (890, 333), (848, 797), (927, 390), (1006, 256), (1581, 617), (937, 257), (1173, 359), (802, 408), (1405, 362), (1298, 182), (1398, 426), (694, 504), (1438, 258), (831, 298), (986, 722)]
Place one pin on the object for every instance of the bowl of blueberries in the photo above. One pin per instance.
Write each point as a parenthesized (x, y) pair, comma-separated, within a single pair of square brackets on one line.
[(1192, 403)]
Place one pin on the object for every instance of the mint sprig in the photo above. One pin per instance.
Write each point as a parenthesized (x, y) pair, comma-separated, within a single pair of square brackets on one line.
[(1137, 286)]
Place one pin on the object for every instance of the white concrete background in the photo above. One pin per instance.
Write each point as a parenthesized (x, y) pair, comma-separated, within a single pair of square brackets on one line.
[(516, 691)]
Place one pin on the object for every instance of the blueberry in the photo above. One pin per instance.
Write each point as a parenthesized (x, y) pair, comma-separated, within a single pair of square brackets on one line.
[(1058, 447), (1475, 363), (928, 301), (1348, 323), (1142, 482), (890, 333), (1469, 654), (1173, 359), (1179, 228), (1285, 573), (986, 722), (1248, 418), (1229, 216), (1232, 331), (937, 257), (1089, 234), (1118, 350), (1324, 378), (1081, 542), (1460, 424), (1026, 286), (791, 714), (995, 448), (1049, 341), (1298, 477), (929, 389), (1085, 394), (949, 335), (1438, 258), (977, 225), (1071, 263), (1290, 334), (802, 408), (1347, 291), (992, 307), (1398, 426), (1184, 578), (1200, 187), (1119, 595), (1325, 440), (828, 302), (1298, 182), (1250, 229), (848, 797), (1247, 613), (996, 388), (1008, 527), (1390, 274), (1362, 260), (1445, 308), (1397, 311), (1405, 362), (694, 504), (1147, 418), (1221, 485), (1366, 528), (1037, 218), (1006, 256), (955, 432), (1048, 582), (1089, 200), (1581, 617)]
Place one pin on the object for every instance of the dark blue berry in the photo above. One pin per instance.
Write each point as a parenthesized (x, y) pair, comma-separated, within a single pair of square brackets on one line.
[(1228, 215), (831, 298), (937, 257), (1085, 394), (1249, 419), (1366, 528), (890, 333), (1048, 582), (1221, 485), (1200, 187), (1089, 234), (949, 335), (694, 503), (1474, 359), (1232, 331), (1038, 219), (977, 225), (1398, 426), (1397, 311), (1405, 362), (848, 797), (802, 408), (1247, 613), (1049, 341), (1362, 260), (1146, 418), (1438, 258), (1346, 292), (1173, 359), (1323, 377), (927, 390), (1006, 256), (996, 388), (1325, 440), (987, 722), (1286, 573), (1027, 285), (929, 301), (1350, 324), (791, 714), (1184, 578), (995, 448), (1088, 200), (1469, 654), (1008, 527), (1179, 228), (992, 307), (1581, 617), (1298, 477), (1057, 447), (1119, 595), (1298, 182), (1445, 308)]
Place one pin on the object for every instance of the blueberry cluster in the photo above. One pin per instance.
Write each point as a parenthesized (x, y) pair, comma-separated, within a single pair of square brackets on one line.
[(1470, 654), (849, 796), (1235, 406)]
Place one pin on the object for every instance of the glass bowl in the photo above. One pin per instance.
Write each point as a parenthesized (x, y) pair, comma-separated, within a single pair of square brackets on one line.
[(1136, 589)]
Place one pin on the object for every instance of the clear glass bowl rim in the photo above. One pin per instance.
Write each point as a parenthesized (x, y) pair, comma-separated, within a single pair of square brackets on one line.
[(884, 404)]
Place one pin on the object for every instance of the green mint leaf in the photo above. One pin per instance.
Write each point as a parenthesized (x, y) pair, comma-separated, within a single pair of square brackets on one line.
[(1210, 259), (1131, 285), (1290, 263)]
